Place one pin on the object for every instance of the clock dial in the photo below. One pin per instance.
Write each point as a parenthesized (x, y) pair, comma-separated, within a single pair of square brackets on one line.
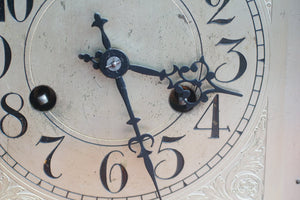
[(138, 33), (126, 100)]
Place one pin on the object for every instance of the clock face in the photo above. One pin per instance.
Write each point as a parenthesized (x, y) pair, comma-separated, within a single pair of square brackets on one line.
[(126, 100)]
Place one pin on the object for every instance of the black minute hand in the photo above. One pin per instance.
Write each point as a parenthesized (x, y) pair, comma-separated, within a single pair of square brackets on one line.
[(139, 138), (99, 22)]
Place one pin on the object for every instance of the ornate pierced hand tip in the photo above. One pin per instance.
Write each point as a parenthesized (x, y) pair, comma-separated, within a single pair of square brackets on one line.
[(98, 54), (85, 57), (141, 139), (99, 21), (88, 58)]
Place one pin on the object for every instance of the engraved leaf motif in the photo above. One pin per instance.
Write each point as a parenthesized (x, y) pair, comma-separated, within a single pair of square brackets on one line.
[(9, 190), (215, 191), (244, 180)]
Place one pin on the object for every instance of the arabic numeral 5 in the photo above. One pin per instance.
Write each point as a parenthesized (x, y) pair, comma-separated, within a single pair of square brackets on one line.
[(179, 157)]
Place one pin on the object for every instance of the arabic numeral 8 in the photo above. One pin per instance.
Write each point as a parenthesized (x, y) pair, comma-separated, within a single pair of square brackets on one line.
[(12, 112)]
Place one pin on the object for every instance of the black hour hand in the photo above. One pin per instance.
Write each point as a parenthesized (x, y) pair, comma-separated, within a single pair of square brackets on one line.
[(147, 71)]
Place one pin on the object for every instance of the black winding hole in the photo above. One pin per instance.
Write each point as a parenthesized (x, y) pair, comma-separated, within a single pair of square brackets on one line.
[(42, 98), (177, 102)]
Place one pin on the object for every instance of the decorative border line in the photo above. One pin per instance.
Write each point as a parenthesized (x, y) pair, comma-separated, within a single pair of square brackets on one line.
[(244, 177)]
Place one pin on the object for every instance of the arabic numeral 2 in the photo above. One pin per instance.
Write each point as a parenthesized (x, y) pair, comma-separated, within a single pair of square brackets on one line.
[(219, 21)]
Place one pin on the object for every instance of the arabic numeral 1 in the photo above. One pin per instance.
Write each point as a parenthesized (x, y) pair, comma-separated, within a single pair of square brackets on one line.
[(11, 7)]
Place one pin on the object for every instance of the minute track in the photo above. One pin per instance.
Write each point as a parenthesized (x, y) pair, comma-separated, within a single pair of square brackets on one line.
[(94, 135)]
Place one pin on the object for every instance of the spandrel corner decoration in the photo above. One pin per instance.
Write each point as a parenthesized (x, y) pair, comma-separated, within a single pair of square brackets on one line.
[(127, 99)]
